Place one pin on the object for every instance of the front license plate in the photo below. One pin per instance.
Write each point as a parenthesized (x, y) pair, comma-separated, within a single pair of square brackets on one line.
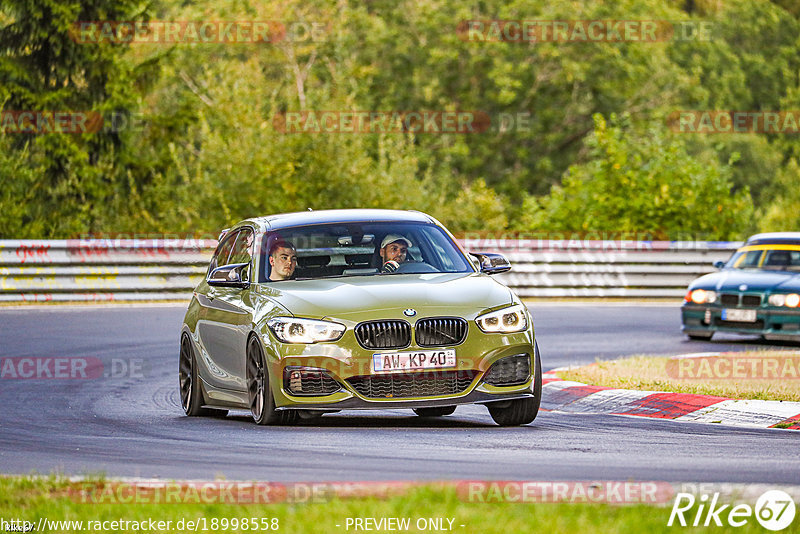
[(742, 316), (390, 362)]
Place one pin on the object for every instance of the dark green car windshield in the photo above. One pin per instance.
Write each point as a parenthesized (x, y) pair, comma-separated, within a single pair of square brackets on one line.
[(779, 258), (353, 249)]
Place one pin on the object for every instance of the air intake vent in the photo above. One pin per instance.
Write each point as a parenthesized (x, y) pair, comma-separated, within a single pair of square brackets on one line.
[(729, 300), (309, 382), (399, 386), (509, 371), (384, 334), (441, 331)]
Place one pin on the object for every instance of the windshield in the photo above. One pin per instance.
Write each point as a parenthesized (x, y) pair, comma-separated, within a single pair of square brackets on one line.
[(777, 258), (362, 249)]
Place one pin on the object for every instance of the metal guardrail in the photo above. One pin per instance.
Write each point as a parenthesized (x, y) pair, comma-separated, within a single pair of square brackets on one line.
[(628, 269), (131, 270), (102, 270)]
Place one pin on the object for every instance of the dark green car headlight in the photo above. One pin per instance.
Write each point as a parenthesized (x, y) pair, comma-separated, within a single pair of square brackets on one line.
[(505, 321), (299, 330), (701, 296), (792, 300)]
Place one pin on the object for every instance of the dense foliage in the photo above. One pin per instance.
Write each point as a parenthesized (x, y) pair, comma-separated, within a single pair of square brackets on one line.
[(579, 138)]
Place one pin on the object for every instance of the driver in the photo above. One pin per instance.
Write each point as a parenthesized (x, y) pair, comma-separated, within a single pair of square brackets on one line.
[(283, 260), (394, 250)]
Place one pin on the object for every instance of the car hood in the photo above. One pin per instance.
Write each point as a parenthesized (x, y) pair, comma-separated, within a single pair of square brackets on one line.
[(360, 298), (732, 279)]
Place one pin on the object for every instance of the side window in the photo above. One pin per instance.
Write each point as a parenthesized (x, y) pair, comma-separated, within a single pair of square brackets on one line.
[(220, 257), (242, 251)]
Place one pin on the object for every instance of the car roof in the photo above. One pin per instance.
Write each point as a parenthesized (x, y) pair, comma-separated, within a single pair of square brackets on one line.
[(302, 218), (775, 238)]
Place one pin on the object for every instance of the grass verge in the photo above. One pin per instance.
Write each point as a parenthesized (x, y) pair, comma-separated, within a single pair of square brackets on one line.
[(32, 498), (762, 375)]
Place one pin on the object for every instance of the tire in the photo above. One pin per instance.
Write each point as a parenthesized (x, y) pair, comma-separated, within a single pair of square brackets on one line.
[(700, 337), (520, 411), (259, 392), (189, 385), (438, 411)]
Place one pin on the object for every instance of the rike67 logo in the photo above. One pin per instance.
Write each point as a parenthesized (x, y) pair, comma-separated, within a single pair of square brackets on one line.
[(774, 510)]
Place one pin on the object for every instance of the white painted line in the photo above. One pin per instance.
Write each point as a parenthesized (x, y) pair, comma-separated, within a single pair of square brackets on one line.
[(607, 401), (597, 302), (72, 307), (750, 413), (561, 384), (765, 353)]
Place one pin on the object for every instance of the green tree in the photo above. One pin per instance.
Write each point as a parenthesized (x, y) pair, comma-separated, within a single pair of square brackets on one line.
[(782, 213), (642, 182), (44, 68)]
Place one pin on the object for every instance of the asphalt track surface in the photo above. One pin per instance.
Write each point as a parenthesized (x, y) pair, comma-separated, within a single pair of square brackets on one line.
[(133, 425)]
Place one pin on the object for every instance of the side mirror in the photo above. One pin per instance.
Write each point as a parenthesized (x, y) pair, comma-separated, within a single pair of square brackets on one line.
[(491, 263), (719, 264), (233, 275)]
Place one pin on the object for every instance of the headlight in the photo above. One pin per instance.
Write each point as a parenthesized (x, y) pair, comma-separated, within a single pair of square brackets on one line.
[(792, 300), (297, 330), (777, 300), (701, 296), (507, 320)]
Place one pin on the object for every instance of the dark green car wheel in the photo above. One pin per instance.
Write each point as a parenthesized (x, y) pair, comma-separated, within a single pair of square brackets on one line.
[(521, 411)]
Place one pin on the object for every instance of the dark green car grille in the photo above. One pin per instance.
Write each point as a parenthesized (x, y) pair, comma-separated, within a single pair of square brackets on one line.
[(750, 301), (384, 334), (440, 331), (406, 385)]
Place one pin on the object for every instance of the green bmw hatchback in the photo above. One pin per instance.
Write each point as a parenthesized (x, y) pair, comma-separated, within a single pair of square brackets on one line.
[(302, 314)]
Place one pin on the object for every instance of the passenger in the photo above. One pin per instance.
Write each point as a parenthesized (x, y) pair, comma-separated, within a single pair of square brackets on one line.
[(282, 260), (394, 251)]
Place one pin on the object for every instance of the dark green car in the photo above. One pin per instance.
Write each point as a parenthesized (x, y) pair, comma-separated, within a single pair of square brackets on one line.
[(756, 292), (306, 313)]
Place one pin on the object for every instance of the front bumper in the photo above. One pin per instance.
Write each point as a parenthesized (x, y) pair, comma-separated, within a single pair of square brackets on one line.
[(347, 365), (356, 403), (771, 322)]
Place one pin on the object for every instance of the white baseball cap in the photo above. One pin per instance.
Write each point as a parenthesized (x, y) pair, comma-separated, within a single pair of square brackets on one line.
[(391, 238)]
